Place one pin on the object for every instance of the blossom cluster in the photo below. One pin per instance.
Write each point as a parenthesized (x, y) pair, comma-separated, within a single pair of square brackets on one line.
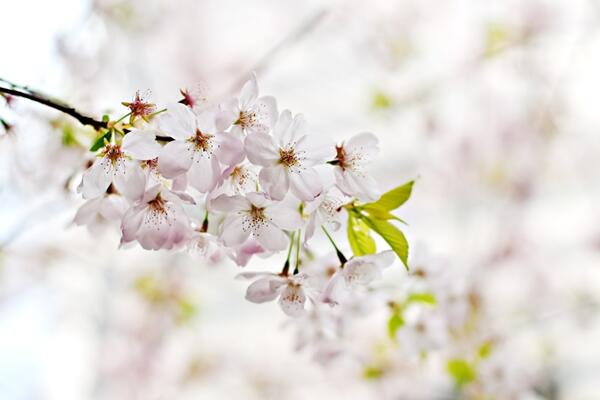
[(239, 178)]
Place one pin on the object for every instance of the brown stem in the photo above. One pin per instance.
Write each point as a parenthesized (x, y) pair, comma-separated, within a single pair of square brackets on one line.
[(20, 91)]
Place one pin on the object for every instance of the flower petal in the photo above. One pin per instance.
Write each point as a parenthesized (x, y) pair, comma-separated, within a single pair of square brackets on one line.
[(292, 300), (271, 237), (232, 232), (141, 145), (284, 217), (96, 179), (231, 149), (175, 159), (262, 291), (306, 185), (249, 92), (204, 173), (230, 204), (275, 181), (261, 150), (179, 122)]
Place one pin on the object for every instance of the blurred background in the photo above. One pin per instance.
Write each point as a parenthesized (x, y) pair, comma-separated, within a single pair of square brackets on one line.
[(491, 105)]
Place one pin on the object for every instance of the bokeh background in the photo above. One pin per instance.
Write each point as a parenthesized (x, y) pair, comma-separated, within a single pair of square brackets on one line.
[(491, 105)]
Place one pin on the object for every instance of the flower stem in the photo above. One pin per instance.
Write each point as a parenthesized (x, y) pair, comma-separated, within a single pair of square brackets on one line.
[(339, 254), (298, 252), (286, 266)]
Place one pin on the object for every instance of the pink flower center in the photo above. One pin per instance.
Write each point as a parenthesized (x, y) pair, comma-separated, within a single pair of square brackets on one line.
[(201, 141)]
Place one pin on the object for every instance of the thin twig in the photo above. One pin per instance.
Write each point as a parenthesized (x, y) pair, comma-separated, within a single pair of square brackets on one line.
[(22, 91)]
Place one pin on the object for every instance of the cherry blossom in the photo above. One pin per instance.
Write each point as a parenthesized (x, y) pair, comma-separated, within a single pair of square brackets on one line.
[(288, 158), (254, 214), (198, 149), (157, 221), (357, 272), (325, 209), (250, 113), (97, 213), (117, 165), (290, 290), (350, 162)]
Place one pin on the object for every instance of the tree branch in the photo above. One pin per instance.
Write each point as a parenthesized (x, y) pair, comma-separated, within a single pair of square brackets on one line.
[(21, 91)]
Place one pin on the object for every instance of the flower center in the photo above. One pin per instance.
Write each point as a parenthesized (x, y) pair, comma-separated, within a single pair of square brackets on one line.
[(201, 141), (347, 161), (139, 107), (113, 153), (157, 205), (288, 157), (255, 219), (245, 119)]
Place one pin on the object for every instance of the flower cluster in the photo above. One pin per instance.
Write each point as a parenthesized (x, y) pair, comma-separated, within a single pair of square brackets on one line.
[(240, 178)]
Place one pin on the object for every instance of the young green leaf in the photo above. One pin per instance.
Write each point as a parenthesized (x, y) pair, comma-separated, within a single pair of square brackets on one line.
[(461, 371), (394, 198), (378, 212), (359, 237), (392, 235), (427, 298), (394, 324), (99, 142)]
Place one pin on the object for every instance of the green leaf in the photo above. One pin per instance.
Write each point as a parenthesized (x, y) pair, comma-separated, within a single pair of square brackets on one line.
[(394, 198), (372, 372), (99, 142), (105, 118), (392, 235), (394, 324), (461, 371), (485, 349), (68, 136), (427, 298), (359, 237), (378, 212)]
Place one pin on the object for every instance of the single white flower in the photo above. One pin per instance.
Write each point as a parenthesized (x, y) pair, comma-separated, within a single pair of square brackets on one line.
[(250, 114), (325, 209), (254, 214), (158, 220), (97, 213), (288, 158), (118, 165), (290, 290), (198, 149), (350, 162), (357, 272)]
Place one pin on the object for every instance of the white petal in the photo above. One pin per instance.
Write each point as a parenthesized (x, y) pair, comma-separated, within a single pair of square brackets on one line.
[(141, 145), (231, 149), (88, 211), (265, 110), (366, 144), (175, 159), (317, 149), (232, 232), (261, 150), (306, 185), (271, 237), (262, 291), (292, 300), (96, 179), (275, 181), (230, 204), (203, 173), (284, 217), (249, 92), (113, 207), (179, 122), (131, 223), (130, 180)]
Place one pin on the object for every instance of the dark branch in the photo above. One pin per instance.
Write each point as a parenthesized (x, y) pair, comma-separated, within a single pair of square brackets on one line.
[(20, 91)]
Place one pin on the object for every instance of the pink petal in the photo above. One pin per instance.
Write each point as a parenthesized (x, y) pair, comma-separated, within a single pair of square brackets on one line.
[(261, 291), (96, 179), (271, 237), (232, 233), (179, 122)]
